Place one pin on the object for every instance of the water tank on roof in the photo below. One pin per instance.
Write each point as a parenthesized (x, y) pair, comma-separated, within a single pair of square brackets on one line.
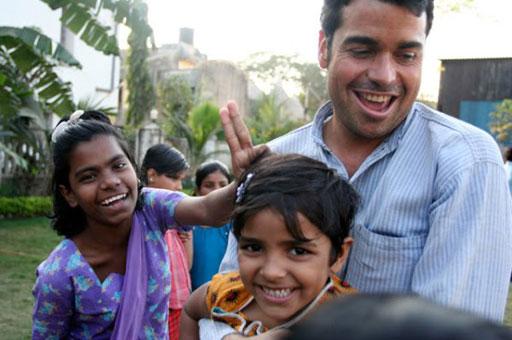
[(187, 35)]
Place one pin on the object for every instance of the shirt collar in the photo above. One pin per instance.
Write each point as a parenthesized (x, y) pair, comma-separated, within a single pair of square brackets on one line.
[(325, 112)]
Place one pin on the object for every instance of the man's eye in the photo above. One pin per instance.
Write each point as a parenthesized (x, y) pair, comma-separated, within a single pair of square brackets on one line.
[(408, 57), (361, 53)]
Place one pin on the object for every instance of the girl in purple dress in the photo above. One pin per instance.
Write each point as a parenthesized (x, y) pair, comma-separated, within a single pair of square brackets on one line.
[(109, 277)]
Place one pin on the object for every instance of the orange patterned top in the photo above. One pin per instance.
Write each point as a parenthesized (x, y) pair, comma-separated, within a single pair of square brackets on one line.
[(227, 297)]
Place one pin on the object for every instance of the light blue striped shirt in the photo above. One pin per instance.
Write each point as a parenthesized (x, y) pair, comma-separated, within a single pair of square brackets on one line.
[(436, 213)]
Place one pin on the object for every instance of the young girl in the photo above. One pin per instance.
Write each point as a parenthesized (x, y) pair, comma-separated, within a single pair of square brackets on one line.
[(209, 243), (109, 277), (165, 167), (292, 217)]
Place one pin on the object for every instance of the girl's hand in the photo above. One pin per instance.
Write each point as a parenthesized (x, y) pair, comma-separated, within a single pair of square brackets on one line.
[(243, 153)]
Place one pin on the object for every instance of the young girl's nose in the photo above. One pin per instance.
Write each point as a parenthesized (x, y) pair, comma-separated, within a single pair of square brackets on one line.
[(110, 180), (273, 269)]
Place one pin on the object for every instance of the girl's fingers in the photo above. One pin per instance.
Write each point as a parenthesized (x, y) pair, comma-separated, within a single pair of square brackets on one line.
[(229, 131), (244, 137)]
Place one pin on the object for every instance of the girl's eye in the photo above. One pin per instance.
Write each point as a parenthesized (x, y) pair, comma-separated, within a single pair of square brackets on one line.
[(120, 165), (252, 248), (87, 178), (299, 251)]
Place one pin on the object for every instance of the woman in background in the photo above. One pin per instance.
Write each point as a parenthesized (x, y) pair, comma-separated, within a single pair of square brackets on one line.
[(209, 243), (165, 167)]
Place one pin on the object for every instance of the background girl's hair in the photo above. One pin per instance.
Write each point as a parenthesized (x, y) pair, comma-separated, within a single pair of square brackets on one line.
[(164, 159), (291, 184), (69, 221), (210, 167)]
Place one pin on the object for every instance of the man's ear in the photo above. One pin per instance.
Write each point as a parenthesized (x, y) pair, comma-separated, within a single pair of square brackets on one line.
[(343, 255), (68, 195), (323, 51)]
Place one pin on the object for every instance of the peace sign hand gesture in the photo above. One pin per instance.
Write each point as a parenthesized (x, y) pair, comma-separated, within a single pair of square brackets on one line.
[(243, 153)]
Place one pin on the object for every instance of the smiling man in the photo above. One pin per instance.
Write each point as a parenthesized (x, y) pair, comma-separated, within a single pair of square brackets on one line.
[(436, 214)]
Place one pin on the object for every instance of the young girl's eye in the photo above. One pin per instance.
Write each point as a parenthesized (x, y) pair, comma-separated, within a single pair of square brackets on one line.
[(298, 251), (87, 178), (252, 248), (120, 165)]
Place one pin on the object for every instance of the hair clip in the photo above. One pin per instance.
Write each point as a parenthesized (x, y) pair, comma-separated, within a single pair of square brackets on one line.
[(63, 126), (242, 188)]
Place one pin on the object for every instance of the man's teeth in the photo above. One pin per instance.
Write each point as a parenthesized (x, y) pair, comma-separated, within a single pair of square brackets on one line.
[(376, 98), (278, 293), (113, 198)]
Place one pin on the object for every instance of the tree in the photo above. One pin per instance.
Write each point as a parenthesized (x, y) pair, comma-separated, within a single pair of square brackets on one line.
[(175, 100), (30, 89), (141, 93), (269, 120), (307, 78), (501, 122)]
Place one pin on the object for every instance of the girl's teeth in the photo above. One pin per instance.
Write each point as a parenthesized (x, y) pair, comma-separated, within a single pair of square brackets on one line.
[(278, 293), (112, 199)]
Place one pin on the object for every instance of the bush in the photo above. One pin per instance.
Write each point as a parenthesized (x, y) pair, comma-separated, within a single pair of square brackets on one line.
[(25, 206)]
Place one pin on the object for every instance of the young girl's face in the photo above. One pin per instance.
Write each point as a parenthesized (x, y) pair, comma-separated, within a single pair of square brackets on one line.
[(102, 182), (282, 273), (212, 182)]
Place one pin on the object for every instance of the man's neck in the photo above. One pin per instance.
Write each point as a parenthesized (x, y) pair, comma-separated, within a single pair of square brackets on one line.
[(350, 149)]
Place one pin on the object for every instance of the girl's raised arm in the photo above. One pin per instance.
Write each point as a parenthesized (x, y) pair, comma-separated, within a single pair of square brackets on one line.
[(215, 208)]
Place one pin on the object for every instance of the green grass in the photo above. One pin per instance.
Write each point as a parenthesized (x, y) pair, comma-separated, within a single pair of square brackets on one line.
[(24, 243)]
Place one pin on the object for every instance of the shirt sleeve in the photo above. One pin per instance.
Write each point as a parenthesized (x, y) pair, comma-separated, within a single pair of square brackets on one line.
[(467, 258), (53, 307), (213, 330), (163, 204), (229, 262)]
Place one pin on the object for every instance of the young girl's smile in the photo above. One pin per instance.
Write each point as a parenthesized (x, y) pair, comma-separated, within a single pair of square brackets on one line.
[(102, 181), (282, 273)]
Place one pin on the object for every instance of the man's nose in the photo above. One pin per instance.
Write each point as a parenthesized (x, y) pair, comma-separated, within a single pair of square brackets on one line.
[(383, 70)]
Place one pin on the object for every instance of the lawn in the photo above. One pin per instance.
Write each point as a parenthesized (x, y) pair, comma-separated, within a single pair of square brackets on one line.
[(24, 243)]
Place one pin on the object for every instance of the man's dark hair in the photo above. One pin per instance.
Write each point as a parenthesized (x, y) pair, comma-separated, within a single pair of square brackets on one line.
[(393, 316), (292, 184), (331, 17)]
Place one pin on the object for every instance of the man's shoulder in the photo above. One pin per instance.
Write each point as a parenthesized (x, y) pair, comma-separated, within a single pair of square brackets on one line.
[(451, 134), (296, 141)]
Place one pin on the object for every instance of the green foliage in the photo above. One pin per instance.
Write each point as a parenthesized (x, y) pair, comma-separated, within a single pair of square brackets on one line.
[(175, 100), (269, 120), (88, 104), (25, 206), (308, 78), (453, 5), (203, 123), (501, 122), (141, 93)]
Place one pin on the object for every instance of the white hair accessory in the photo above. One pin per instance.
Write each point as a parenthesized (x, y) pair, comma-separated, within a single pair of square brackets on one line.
[(63, 126)]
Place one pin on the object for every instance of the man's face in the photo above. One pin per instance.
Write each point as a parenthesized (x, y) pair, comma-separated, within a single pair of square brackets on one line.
[(374, 67)]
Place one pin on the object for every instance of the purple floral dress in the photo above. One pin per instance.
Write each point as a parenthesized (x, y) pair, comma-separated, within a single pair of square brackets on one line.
[(71, 302)]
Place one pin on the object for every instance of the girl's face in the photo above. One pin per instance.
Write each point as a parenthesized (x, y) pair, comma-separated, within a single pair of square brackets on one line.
[(282, 273), (166, 181), (103, 184), (213, 181)]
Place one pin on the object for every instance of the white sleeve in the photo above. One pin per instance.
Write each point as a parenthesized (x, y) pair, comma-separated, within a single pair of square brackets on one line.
[(230, 260), (213, 330)]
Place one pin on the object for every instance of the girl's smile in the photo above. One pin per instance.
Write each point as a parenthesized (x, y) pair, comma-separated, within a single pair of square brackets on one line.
[(282, 273), (103, 184)]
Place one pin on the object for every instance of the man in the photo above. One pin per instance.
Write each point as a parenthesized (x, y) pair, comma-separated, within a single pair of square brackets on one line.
[(436, 214)]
